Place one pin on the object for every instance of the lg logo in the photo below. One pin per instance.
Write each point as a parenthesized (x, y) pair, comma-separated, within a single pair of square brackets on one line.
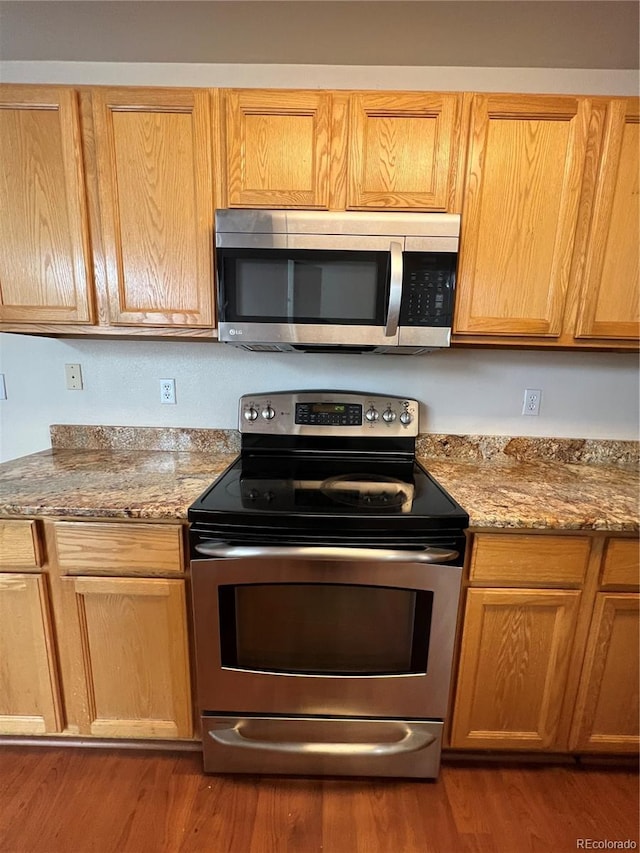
[(235, 331)]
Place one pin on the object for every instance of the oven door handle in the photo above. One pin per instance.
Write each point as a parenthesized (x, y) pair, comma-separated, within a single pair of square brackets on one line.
[(213, 548), (412, 740)]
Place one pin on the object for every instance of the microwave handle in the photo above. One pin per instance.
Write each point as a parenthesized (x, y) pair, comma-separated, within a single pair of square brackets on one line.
[(395, 290)]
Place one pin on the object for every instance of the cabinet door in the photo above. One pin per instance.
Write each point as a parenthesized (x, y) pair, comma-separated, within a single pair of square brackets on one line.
[(29, 699), (606, 717), (44, 261), (402, 151), (134, 656), (277, 148), (610, 303), (519, 215), (153, 150), (513, 664)]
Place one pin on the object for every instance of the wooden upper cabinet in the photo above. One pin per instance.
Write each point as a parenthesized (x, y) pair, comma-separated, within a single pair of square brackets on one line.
[(154, 165), (610, 298), (403, 150), (277, 148), (524, 174), (45, 257)]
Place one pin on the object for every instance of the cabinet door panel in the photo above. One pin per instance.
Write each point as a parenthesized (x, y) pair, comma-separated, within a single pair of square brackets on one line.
[(45, 261), (29, 700), (156, 199), (607, 710), (277, 148), (135, 656), (520, 210), (402, 150), (513, 664), (610, 304)]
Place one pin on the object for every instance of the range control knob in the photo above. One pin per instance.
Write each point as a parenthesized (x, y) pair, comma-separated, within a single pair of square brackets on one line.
[(389, 416), (406, 418), (250, 414), (268, 413), (371, 415)]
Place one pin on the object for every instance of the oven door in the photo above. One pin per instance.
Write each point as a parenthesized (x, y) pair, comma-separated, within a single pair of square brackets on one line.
[(312, 290), (337, 632)]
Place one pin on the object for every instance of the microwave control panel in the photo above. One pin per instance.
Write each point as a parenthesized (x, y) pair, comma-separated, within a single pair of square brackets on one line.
[(327, 413), (428, 288)]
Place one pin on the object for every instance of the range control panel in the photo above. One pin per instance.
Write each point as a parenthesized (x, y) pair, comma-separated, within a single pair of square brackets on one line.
[(340, 413)]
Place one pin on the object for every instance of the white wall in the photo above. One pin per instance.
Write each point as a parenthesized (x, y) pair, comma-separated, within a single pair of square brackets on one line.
[(462, 391)]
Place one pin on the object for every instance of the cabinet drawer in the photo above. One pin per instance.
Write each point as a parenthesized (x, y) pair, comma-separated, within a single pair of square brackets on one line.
[(621, 566), (19, 544), (122, 548), (522, 560)]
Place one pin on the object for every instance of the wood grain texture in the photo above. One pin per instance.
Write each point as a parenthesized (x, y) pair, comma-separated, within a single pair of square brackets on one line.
[(135, 656), (277, 148), (621, 566), (29, 698), (145, 802), (607, 708), (515, 652), (526, 560), (520, 209), (20, 544), (156, 199), (402, 150), (610, 297), (45, 262), (125, 548)]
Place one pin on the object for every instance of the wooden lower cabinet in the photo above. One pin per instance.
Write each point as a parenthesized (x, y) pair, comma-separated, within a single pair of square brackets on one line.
[(29, 697), (607, 710), (131, 667), (514, 658), (549, 669)]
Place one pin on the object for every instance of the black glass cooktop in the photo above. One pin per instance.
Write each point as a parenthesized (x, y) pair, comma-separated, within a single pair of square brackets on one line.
[(327, 492)]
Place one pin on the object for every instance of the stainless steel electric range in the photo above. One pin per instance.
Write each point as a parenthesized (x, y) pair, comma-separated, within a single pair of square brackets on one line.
[(326, 566)]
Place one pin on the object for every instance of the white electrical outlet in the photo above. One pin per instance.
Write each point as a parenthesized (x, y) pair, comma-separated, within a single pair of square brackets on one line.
[(73, 373), (168, 391), (531, 403)]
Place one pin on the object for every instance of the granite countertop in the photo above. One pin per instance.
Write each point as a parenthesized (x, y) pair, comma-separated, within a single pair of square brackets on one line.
[(151, 474)]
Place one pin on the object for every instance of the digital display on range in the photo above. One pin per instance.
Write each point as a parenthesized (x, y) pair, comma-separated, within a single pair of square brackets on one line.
[(328, 408), (329, 414)]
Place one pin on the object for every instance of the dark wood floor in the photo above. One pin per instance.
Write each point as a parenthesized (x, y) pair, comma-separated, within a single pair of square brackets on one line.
[(72, 800)]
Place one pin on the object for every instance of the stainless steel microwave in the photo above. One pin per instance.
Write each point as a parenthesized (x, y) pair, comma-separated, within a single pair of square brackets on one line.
[(324, 282)]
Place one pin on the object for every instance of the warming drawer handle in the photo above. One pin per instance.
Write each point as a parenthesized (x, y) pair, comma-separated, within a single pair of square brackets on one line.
[(395, 290), (412, 741), (214, 548)]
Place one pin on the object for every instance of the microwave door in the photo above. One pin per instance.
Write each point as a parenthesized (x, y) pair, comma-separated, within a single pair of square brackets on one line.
[(332, 291)]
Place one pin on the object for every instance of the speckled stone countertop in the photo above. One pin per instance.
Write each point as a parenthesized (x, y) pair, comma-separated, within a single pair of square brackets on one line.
[(118, 472)]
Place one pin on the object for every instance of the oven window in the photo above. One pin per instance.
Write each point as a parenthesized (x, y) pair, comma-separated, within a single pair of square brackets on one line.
[(303, 286), (325, 629)]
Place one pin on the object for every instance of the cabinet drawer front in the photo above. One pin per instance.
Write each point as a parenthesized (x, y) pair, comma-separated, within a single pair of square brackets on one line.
[(125, 549), (521, 560), (621, 563), (19, 544)]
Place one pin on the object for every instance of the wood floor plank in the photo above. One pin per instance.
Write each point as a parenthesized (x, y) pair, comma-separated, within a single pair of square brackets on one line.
[(72, 800)]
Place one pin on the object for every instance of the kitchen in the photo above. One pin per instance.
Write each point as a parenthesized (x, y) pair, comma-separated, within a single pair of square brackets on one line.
[(461, 391)]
